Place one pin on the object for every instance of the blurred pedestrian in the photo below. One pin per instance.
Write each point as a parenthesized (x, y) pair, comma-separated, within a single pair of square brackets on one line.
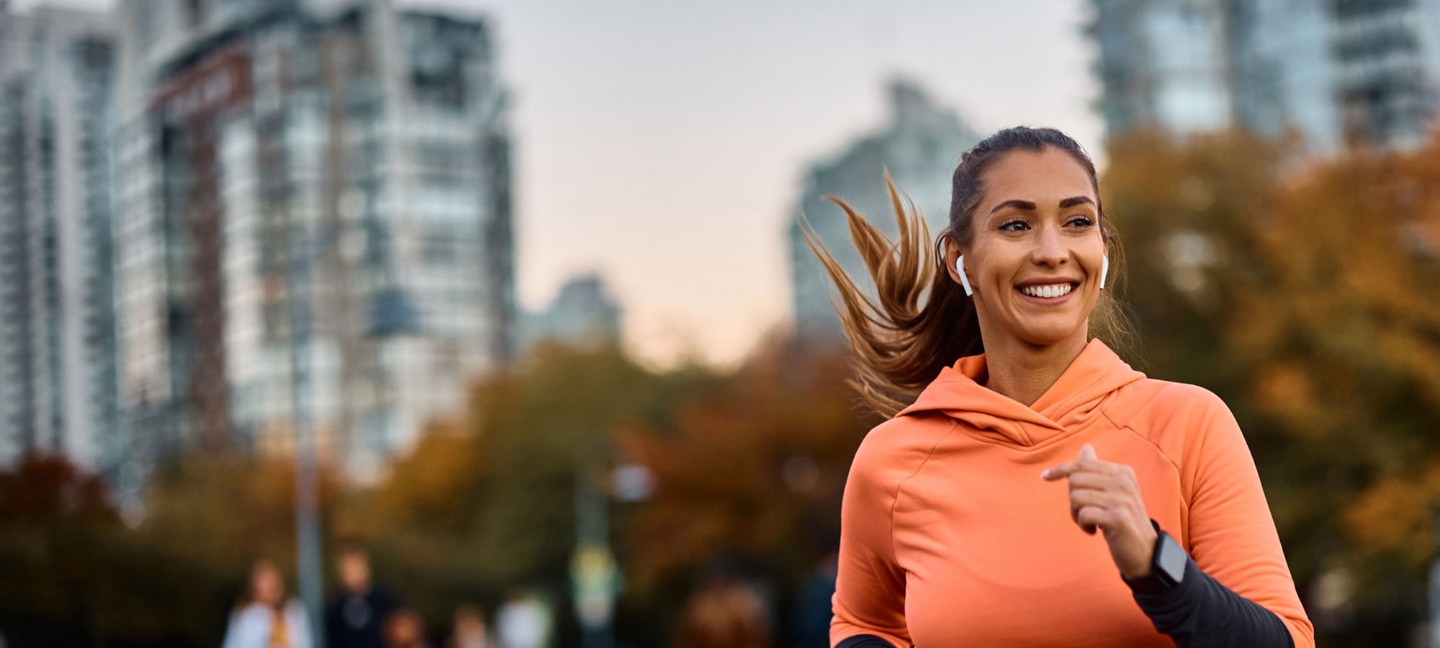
[(810, 619), (523, 621), (726, 611), (355, 618), (404, 629), (266, 619), (470, 630)]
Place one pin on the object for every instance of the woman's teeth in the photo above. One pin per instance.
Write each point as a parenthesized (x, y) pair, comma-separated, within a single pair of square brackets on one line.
[(1047, 292)]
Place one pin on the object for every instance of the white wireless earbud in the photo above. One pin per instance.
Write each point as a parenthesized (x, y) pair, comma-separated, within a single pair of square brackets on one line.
[(1104, 270), (964, 280)]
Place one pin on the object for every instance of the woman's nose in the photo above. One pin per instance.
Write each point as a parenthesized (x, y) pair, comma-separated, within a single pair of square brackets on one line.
[(1049, 249)]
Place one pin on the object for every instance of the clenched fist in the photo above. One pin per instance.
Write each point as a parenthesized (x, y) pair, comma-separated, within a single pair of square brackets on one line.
[(1106, 496)]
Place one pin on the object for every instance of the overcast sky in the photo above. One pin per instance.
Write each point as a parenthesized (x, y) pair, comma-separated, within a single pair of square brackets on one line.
[(663, 143)]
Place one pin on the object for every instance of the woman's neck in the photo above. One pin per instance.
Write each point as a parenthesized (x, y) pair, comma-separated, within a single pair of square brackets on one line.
[(1024, 372)]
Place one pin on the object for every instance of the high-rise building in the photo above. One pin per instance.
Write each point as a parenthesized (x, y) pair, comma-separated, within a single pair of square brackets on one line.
[(1334, 71), (920, 147), (57, 348), (1280, 73), (1161, 64), (583, 314), (1386, 58), (314, 208)]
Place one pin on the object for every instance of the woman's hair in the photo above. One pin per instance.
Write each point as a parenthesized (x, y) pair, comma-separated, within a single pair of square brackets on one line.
[(923, 321)]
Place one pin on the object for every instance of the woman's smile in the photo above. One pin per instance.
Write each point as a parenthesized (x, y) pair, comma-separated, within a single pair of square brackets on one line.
[(1049, 293)]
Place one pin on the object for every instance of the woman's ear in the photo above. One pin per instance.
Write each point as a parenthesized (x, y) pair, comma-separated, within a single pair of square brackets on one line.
[(954, 262)]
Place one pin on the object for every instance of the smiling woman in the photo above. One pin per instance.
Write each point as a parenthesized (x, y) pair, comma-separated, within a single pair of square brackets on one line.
[(983, 358)]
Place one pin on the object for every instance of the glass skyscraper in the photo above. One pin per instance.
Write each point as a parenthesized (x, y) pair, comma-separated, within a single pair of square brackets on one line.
[(346, 170), (1336, 72), (1161, 64), (57, 346)]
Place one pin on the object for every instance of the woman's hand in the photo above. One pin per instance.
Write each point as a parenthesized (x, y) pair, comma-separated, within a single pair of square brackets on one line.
[(1107, 496)]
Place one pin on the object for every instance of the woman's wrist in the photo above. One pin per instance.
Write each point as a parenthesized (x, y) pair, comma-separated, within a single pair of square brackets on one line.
[(1141, 561)]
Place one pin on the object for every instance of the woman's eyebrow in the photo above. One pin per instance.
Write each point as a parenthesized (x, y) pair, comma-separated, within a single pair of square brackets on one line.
[(1030, 206), (1018, 204)]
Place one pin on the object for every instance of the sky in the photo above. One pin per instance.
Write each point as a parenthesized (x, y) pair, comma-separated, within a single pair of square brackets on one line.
[(663, 144)]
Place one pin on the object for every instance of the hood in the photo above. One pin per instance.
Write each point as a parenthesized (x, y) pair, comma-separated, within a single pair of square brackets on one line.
[(1071, 402)]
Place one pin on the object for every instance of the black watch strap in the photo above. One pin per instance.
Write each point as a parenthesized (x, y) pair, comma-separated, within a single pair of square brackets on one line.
[(1167, 565)]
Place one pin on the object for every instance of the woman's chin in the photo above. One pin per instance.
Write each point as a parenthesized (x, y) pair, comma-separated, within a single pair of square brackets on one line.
[(1052, 335)]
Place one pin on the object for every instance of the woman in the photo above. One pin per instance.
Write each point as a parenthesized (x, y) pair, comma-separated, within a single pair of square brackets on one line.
[(267, 620), (470, 629), (404, 629), (1038, 491)]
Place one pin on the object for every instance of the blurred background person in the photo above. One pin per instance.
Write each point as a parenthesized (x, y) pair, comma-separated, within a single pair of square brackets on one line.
[(404, 629), (470, 630), (355, 618), (725, 611), (810, 617), (523, 621), (266, 619)]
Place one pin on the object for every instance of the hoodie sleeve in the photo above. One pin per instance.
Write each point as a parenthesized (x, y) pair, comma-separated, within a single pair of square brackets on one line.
[(869, 601), (1231, 533)]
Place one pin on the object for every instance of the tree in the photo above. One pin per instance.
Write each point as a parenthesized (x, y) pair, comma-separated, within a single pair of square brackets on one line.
[(57, 520)]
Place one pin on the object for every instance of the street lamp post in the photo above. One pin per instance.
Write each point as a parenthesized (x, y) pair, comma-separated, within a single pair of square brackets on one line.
[(1435, 583), (391, 315), (594, 573), (307, 518)]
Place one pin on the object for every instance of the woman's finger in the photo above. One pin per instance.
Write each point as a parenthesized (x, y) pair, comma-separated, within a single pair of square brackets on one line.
[(1087, 480), (1091, 518), (1098, 500), (1103, 499), (1088, 461), (1060, 472)]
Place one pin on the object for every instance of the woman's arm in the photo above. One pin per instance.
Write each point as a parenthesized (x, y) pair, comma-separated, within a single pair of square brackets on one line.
[(869, 602), (1199, 611), (1237, 590), (296, 615), (864, 641), (1231, 534)]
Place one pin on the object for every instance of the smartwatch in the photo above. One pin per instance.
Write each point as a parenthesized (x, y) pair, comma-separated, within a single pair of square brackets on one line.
[(1167, 566)]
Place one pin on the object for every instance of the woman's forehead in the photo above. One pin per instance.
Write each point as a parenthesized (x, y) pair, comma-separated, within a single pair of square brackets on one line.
[(1042, 177)]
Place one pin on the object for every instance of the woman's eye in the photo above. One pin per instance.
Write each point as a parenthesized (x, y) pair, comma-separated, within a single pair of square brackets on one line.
[(1013, 226), (1080, 222)]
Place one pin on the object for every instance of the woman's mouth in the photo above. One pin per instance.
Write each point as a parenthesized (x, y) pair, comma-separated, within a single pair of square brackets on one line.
[(1046, 291)]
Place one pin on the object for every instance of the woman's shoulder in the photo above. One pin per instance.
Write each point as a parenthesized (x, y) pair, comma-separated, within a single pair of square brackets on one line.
[(1180, 419), (251, 610), (250, 616), (1151, 398), (295, 606), (897, 447)]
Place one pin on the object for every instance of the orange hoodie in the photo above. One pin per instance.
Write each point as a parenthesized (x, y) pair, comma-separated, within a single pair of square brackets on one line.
[(950, 538)]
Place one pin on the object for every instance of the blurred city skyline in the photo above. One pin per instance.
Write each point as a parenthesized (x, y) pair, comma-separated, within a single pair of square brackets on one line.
[(280, 275), (676, 178)]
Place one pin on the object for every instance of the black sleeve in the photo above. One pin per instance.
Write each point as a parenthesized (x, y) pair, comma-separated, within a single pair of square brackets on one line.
[(1199, 612), (864, 641)]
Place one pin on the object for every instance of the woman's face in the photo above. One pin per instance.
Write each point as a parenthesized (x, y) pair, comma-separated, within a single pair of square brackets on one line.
[(267, 586), (1036, 250)]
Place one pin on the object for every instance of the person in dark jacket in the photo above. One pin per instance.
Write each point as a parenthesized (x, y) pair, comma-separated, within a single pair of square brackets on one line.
[(356, 618)]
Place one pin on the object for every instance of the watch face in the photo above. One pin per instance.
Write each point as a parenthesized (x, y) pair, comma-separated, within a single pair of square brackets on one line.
[(1171, 559)]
